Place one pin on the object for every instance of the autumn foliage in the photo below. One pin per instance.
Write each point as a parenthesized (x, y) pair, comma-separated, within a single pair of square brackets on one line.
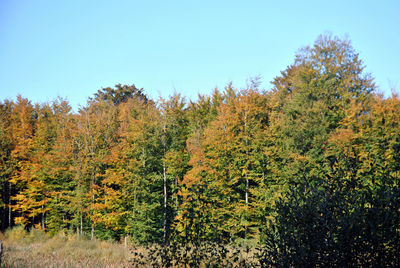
[(215, 169)]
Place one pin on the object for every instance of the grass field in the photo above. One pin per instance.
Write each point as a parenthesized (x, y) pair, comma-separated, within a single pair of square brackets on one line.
[(37, 249)]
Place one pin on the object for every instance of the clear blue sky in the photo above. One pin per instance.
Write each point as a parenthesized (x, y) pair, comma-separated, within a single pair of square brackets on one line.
[(73, 48)]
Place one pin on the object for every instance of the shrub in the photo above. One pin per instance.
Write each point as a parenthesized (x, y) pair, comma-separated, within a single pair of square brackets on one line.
[(335, 225), (205, 254)]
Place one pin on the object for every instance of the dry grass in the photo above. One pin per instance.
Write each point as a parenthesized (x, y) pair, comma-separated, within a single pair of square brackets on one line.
[(37, 249)]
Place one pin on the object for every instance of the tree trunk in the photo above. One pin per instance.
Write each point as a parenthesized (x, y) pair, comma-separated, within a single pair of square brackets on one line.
[(81, 224), (247, 170), (247, 191), (94, 182), (9, 214), (176, 193), (43, 215), (165, 203), (9, 205)]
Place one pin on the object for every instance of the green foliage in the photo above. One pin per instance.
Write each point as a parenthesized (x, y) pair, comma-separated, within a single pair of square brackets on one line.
[(336, 225), (194, 222), (310, 101), (6, 162), (120, 94), (206, 254)]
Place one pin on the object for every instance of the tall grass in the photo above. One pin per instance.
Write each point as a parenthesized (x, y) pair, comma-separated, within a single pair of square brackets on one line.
[(37, 249)]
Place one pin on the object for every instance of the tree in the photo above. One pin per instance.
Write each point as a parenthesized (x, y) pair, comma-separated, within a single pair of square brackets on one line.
[(132, 181), (234, 162), (120, 94), (173, 139), (193, 220), (6, 164), (60, 163), (310, 99), (95, 136), (23, 118), (366, 146)]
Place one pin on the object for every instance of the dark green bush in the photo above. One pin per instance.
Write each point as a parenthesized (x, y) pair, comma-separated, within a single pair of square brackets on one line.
[(335, 224)]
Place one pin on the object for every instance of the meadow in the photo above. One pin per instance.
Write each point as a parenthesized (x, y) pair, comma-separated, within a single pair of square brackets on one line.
[(38, 249)]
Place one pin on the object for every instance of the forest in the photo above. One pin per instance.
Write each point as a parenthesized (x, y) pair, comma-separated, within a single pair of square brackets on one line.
[(308, 169)]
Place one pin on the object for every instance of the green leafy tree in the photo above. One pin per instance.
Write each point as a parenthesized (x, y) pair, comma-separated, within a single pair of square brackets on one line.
[(120, 94), (309, 101), (174, 125), (96, 128), (193, 219), (234, 160), (60, 169), (132, 183), (6, 162)]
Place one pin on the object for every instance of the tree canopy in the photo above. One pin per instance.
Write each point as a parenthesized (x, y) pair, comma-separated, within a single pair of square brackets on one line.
[(304, 163)]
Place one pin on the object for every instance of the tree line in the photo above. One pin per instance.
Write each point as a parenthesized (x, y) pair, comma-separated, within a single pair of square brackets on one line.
[(217, 168)]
